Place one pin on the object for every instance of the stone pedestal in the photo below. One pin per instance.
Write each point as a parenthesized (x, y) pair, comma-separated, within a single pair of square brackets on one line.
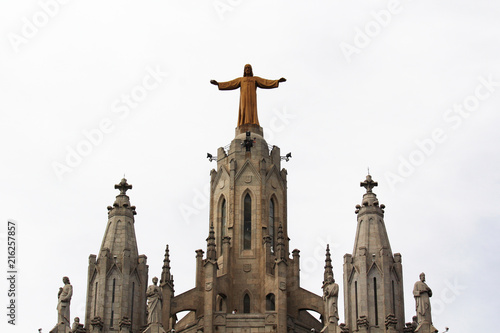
[(61, 328), (154, 328), (425, 327)]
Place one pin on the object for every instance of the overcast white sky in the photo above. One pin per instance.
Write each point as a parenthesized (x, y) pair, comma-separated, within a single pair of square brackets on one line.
[(410, 89)]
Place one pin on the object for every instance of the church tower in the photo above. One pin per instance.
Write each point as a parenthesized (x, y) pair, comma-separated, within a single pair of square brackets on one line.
[(373, 276), (117, 278), (247, 282)]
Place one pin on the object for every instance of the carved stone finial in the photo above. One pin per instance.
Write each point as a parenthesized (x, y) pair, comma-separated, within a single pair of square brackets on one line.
[(211, 252), (166, 276), (369, 184), (328, 266), (123, 187), (280, 244)]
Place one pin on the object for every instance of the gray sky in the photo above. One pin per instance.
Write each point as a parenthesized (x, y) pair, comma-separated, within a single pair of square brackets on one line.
[(410, 89)]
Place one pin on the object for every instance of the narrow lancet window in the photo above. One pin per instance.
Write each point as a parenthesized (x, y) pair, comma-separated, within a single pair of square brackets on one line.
[(95, 298), (356, 296), (247, 223), (132, 305), (271, 223), (223, 219), (246, 304), (375, 299), (112, 304), (393, 299)]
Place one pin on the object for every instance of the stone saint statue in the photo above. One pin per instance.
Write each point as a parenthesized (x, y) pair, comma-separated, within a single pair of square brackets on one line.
[(248, 93), (153, 293), (422, 293), (64, 299), (330, 297)]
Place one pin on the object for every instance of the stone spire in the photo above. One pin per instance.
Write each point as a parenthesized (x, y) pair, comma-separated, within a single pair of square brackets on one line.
[(373, 276), (118, 273), (328, 264), (370, 238), (211, 249), (120, 235), (166, 276)]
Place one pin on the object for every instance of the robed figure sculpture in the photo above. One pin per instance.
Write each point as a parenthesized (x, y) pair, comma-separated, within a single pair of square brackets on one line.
[(248, 93), (64, 300), (153, 293), (422, 294), (330, 297)]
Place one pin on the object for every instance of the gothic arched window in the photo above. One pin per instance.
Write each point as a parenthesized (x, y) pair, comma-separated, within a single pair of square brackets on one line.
[(247, 223), (271, 223), (246, 304)]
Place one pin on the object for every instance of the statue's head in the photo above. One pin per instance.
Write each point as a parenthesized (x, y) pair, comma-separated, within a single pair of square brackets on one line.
[(155, 280), (77, 319), (66, 280), (422, 277), (329, 279), (247, 71)]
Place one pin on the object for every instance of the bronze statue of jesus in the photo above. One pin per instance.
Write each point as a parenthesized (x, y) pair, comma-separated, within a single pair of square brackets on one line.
[(248, 93)]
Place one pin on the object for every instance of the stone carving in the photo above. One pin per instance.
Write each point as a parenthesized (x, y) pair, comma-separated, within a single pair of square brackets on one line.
[(343, 328), (248, 93), (153, 293), (125, 324), (422, 294), (330, 297), (390, 321), (363, 322), (64, 300), (97, 323), (76, 323)]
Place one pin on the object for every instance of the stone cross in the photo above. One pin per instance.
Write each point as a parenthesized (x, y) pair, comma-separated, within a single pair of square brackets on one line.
[(368, 184), (123, 186)]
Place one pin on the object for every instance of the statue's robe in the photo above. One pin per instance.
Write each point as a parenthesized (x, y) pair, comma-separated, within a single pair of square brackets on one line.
[(248, 96), (422, 295), (330, 296), (154, 304), (64, 303)]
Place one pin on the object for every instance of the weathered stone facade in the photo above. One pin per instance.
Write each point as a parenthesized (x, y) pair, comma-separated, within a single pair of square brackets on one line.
[(246, 281)]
